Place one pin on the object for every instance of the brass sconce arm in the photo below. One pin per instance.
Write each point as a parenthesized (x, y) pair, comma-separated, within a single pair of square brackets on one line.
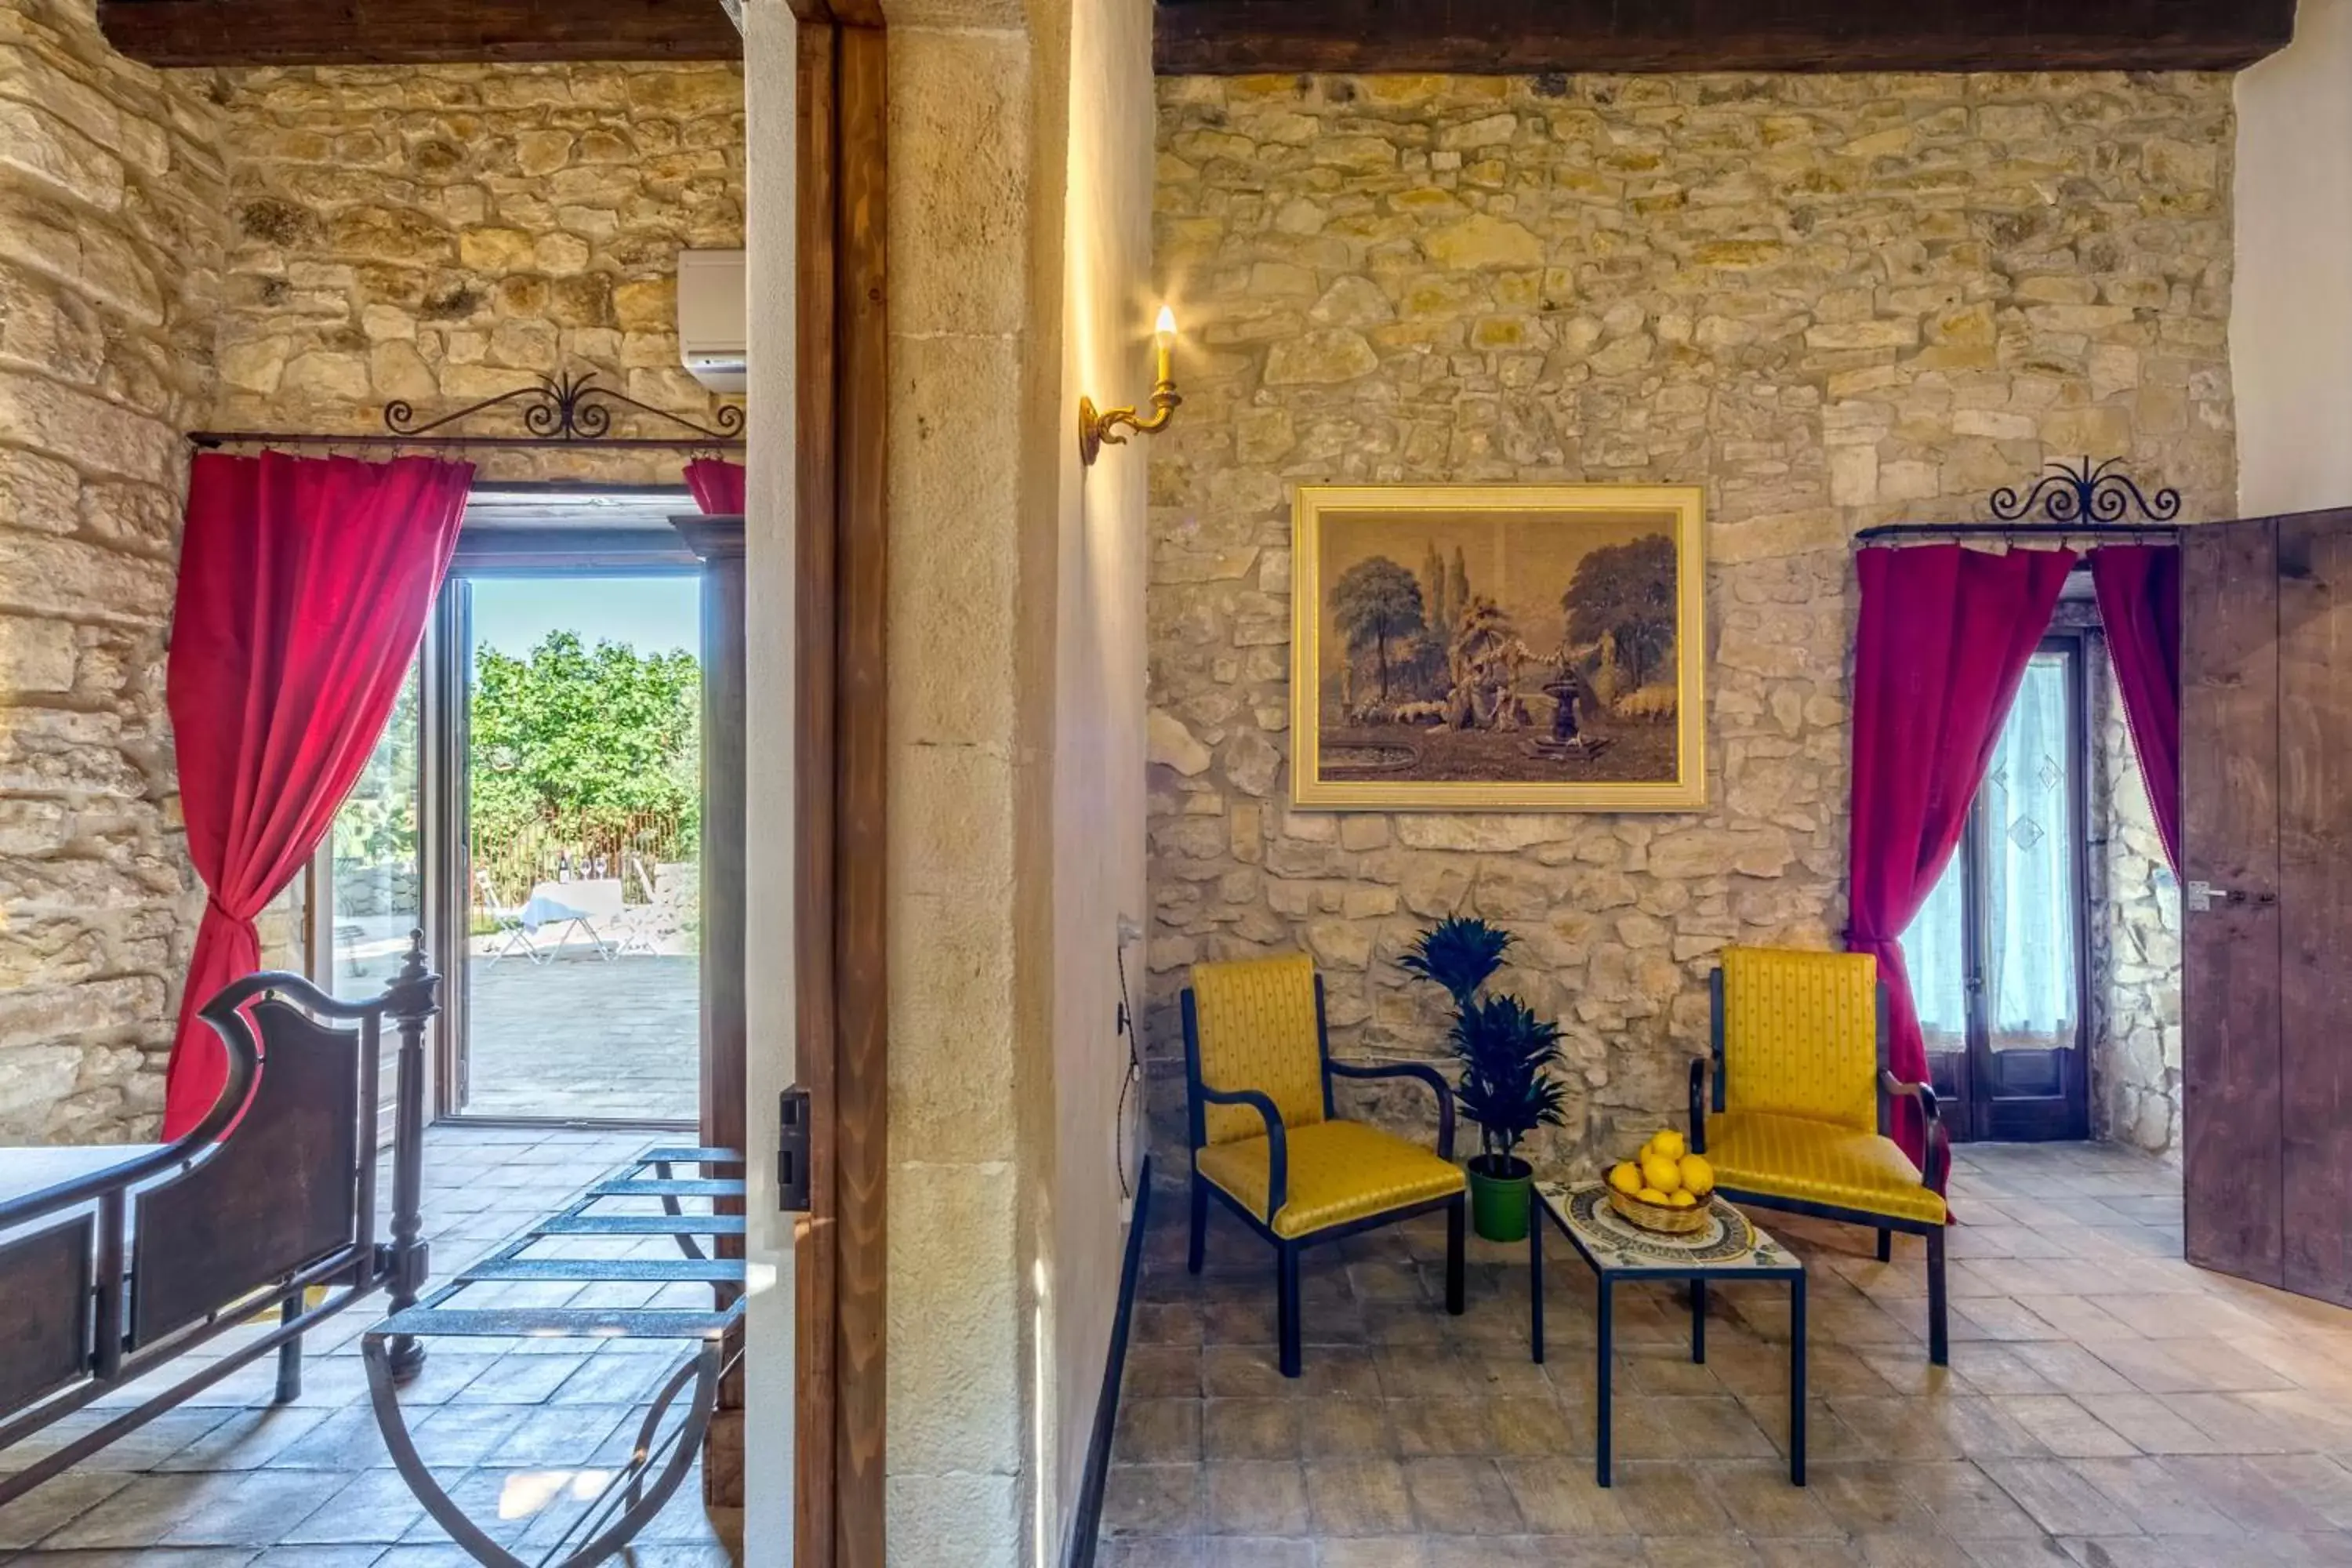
[(1100, 428)]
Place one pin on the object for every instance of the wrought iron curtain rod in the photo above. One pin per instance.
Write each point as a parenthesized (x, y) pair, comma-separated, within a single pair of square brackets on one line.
[(1934, 532), (2077, 500), (566, 409), (211, 439)]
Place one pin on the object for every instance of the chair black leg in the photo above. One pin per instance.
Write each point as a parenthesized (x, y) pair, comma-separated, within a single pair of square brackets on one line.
[(1286, 1298), (1454, 1214), (1940, 1340), (289, 1355), (1885, 1244), (1200, 1226)]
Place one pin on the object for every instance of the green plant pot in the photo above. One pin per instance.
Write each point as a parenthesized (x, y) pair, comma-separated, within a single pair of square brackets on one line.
[(1499, 1203)]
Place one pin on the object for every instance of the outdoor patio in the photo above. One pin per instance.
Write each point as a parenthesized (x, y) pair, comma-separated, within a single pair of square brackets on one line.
[(581, 1037), (523, 1432)]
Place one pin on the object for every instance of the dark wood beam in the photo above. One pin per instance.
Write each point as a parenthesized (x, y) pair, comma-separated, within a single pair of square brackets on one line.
[(415, 32), (1229, 37)]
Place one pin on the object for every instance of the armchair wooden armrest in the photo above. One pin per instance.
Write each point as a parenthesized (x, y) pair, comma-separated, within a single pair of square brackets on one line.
[(1940, 1143), (1277, 1153), (1426, 1074), (1698, 1105)]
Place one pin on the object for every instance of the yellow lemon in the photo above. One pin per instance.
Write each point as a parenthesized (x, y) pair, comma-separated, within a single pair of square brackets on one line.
[(1699, 1176), (1668, 1144), (1650, 1196), (1625, 1177), (1681, 1200), (1663, 1175)]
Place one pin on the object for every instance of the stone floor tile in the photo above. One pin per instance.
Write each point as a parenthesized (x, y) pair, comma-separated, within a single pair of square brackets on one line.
[(1249, 1430), (1358, 1497), (1254, 1498), (1559, 1496), (1457, 1496)]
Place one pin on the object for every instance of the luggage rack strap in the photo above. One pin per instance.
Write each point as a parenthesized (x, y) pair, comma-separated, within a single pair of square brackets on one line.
[(558, 1322), (642, 1224), (610, 1270), (668, 1187)]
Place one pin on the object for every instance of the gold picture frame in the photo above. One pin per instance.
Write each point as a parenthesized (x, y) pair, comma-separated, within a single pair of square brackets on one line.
[(1422, 682)]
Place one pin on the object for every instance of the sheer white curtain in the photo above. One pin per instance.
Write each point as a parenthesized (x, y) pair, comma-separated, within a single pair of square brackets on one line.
[(2028, 885), (2027, 796)]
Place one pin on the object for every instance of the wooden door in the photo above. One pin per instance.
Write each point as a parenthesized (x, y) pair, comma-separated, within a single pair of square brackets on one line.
[(2232, 1172), (2266, 904), (2315, 906)]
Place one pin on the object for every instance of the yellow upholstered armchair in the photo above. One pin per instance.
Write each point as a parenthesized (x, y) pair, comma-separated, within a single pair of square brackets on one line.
[(1267, 1144), (1798, 1115)]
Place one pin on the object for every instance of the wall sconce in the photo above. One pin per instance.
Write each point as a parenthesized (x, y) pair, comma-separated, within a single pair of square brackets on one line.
[(1098, 429)]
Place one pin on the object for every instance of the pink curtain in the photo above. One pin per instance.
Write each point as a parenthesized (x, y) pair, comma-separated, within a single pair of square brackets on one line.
[(304, 585), (2140, 605), (1942, 648), (717, 486)]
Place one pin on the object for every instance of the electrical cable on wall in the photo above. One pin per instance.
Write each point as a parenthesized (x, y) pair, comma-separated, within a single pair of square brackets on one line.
[(1126, 1025)]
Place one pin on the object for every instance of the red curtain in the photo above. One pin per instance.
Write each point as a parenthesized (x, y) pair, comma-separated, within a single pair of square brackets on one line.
[(2139, 604), (717, 486), (304, 587), (1945, 636)]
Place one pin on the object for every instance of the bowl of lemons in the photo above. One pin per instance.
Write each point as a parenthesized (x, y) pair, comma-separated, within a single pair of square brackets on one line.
[(1663, 1188)]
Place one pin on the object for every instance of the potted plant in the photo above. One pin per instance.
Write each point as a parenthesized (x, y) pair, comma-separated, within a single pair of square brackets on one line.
[(1505, 1052), (1459, 954), (1507, 1090)]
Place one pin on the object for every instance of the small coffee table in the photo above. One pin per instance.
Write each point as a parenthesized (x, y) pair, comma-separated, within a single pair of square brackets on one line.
[(1731, 1249)]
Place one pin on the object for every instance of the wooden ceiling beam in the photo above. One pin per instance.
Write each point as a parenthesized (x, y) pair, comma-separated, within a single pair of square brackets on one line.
[(1227, 38), (415, 32)]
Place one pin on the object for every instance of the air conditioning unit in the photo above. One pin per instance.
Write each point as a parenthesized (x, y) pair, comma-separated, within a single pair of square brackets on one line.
[(710, 317)]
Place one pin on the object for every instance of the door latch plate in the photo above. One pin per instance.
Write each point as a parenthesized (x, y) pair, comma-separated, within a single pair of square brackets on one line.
[(792, 1151)]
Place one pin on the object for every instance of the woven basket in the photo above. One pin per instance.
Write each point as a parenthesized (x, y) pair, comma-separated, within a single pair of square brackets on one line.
[(1660, 1218)]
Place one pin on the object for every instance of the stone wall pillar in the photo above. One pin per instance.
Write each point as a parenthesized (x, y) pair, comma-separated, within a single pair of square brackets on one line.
[(110, 235)]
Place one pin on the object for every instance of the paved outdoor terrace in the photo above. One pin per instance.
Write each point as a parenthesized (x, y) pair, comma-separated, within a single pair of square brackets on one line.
[(2106, 1405), (523, 1431)]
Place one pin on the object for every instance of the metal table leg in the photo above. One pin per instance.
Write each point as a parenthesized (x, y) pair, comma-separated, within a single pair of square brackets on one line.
[(1698, 1318), (1534, 1281), (1607, 1294), (1797, 1380)]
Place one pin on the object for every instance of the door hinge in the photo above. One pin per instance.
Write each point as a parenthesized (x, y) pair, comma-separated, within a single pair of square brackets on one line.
[(792, 1151)]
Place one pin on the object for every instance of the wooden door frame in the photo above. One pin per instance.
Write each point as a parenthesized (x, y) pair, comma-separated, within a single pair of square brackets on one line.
[(841, 751)]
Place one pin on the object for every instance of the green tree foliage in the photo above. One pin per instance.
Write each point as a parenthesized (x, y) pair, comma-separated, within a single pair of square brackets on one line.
[(584, 741), (1626, 591), (377, 823), (1374, 601)]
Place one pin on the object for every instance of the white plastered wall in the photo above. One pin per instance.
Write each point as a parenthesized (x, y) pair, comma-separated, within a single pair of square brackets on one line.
[(2291, 312)]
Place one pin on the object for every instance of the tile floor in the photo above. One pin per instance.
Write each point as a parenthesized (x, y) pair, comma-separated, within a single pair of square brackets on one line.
[(2106, 1405), (522, 1433)]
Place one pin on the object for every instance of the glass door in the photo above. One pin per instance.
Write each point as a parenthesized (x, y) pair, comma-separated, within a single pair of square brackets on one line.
[(368, 879), (577, 773), (1998, 954)]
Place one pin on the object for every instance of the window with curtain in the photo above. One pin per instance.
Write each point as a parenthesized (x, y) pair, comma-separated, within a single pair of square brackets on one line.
[(2022, 842)]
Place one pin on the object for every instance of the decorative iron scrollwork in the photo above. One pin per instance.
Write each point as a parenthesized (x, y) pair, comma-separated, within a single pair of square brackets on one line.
[(564, 408), (2086, 492)]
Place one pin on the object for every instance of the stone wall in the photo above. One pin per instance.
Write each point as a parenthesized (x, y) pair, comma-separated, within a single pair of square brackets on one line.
[(1832, 301), (2135, 944), (110, 196), (443, 233)]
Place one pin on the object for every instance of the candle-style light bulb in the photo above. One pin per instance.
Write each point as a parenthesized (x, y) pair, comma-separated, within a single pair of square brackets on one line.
[(1164, 332)]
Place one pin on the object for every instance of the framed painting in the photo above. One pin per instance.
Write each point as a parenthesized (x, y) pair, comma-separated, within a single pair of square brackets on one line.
[(1498, 647)]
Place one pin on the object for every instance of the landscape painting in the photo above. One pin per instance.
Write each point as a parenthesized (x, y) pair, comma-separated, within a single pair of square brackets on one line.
[(1498, 647)]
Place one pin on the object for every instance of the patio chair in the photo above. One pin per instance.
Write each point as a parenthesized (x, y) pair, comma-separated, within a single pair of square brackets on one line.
[(1268, 1144), (509, 921), (639, 923), (1799, 1107)]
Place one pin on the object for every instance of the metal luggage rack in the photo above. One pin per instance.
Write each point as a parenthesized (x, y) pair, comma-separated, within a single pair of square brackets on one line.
[(631, 1500)]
